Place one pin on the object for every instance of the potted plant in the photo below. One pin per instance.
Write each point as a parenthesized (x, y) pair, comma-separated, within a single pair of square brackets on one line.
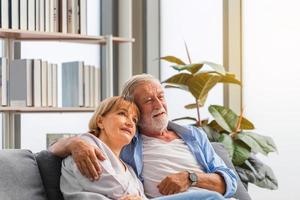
[(227, 127)]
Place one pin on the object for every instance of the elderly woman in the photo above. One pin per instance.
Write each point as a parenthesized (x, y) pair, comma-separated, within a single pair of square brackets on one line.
[(112, 126)]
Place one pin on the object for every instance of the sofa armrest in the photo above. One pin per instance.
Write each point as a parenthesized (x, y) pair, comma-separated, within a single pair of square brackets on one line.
[(241, 192), (50, 170), (19, 176)]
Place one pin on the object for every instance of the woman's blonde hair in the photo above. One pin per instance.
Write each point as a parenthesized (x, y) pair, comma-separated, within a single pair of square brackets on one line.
[(109, 105)]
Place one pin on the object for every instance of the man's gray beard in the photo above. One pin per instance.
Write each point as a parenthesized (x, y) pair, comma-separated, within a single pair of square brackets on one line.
[(156, 125)]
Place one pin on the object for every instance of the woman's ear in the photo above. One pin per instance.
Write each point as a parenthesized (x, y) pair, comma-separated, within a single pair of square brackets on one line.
[(100, 122)]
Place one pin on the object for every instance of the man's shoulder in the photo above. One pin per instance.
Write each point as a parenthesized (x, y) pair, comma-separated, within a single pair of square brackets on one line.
[(187, 129)]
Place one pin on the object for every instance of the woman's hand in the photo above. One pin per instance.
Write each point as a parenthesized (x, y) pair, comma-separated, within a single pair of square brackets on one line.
[(131, 197)]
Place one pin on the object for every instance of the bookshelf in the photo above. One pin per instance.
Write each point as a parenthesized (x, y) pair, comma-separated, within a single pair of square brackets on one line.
[(11, 115), (45, 109), (19, 35)]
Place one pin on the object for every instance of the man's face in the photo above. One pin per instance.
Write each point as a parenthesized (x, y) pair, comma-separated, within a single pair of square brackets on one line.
[(150, 99)]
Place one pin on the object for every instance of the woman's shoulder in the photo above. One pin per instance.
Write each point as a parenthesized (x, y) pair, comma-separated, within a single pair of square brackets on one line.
[(93, 140)]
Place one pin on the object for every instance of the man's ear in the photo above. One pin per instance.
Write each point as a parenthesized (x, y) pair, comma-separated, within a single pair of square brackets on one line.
[(100, 122)]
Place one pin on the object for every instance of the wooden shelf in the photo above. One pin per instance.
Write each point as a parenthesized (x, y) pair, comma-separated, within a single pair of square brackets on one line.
[(49, 36), (45, 109)]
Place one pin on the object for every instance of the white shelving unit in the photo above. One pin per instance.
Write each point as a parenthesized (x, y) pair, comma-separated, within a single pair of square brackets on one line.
[(11, 115)]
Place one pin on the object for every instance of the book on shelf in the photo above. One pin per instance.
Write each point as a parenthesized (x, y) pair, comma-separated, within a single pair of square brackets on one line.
[(54, 16), (4, 81), (77, 16), (23, 15), (92, 86), (51, 138), (72, 84), (4, 14), (63, 16), (66, 16), (37, 14), (73, 16), (83, 17), (44, 83), (97, 88), (54, 86), (47, 15), (42, 15), (49, 85), (20, 82), (37, 82), (13, 14), (31, 15), (86, 83)]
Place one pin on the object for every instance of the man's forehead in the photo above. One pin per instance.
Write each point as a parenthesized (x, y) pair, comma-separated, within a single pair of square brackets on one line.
[(150, 88)]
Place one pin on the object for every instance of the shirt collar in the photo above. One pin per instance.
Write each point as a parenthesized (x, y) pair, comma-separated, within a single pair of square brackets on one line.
[(184, 132)]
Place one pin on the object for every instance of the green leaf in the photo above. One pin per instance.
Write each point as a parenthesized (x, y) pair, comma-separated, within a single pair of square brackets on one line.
[(201, 103), (181, 87), (179, 79), (200, 84), (246, 124), (193, 68), (218, 68), (173, 59), (241, 153), (224, 117), (204, 122), (255, 147), (227, 119), (213, 124), (269, 181), (191, 106), (238, 151), (264, 144), (228, 143), (229, 78), (202, 100), (258, 173)]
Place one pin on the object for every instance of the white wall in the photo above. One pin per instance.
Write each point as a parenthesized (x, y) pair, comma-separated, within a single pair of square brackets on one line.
[(35, 126), (272, 87), (199, 23)]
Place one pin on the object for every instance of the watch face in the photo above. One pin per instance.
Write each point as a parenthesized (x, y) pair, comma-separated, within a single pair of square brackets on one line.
[(193, 177)]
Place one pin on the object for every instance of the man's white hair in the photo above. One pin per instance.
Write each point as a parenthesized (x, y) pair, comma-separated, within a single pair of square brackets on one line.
[(133, 82)]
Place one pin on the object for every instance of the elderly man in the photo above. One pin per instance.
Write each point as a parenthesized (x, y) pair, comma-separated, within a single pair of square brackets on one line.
[(168, 158)]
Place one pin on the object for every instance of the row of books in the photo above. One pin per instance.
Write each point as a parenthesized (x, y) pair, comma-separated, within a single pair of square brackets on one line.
[(66, 16), (80, 85), (34, 82), (28, 82)]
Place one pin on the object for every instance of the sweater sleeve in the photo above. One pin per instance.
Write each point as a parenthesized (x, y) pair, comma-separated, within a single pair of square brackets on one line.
[(75, 186)]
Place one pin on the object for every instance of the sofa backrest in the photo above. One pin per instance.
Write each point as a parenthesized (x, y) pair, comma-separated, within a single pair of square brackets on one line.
[(19, 176), (23, 175), (50, 169)]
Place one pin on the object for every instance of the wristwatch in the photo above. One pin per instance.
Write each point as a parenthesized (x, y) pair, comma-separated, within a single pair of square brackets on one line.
[(193, 178)]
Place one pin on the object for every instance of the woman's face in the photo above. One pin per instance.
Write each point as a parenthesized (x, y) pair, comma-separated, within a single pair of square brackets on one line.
[(118, 127)]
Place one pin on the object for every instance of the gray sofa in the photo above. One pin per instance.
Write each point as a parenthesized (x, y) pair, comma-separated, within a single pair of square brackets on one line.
[(28, 176)]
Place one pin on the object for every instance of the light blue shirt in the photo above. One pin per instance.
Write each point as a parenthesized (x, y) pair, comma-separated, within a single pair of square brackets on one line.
[(199, 145)]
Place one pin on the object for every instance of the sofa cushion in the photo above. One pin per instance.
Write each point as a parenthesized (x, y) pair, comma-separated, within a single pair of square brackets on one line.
[(241, 192), (19, 175), (50, 169)]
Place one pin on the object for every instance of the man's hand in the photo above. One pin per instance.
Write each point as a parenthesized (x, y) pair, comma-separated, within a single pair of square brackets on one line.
[(131, 197), (86, 158), (174, 183)]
